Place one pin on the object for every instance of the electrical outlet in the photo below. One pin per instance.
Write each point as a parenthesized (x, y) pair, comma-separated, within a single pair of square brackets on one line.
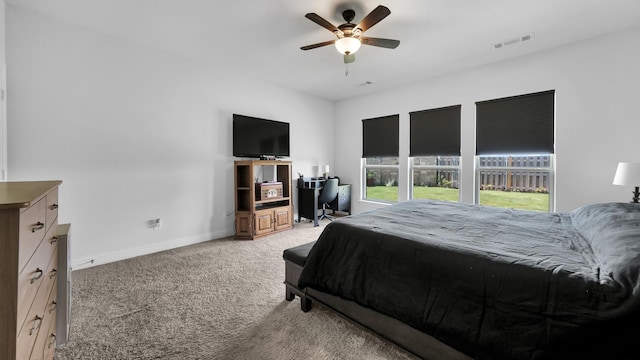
[(154, 224)]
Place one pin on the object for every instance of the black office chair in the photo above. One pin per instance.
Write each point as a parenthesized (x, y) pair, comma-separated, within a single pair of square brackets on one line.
[(328, 193)]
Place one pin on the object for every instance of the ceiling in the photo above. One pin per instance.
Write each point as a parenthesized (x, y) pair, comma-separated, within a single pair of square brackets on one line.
[(262, 38)]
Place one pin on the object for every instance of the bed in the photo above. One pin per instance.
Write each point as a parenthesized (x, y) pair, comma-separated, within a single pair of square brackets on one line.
[(453, 280)]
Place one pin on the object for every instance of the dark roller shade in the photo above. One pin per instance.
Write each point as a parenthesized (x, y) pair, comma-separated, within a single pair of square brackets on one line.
[(380, 136), (518, 124), (435, 132)]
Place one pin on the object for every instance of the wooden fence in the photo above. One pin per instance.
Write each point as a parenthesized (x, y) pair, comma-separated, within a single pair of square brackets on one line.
[(523, 178), (520, 176), (437, 177)]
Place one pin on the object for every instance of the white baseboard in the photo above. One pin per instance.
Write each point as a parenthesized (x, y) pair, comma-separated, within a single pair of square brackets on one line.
[(77, 264)]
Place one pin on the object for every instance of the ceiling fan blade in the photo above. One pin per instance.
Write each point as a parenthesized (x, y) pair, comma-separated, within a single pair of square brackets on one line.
[(322, 22), (385, 43), (313, 46), (374, 17)]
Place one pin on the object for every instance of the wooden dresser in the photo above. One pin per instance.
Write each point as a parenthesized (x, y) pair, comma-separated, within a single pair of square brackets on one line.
[(28, 263)]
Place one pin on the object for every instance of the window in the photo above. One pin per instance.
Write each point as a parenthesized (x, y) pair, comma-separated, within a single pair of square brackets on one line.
[(381, 174), (380, 153), (435, 154), (515, 152)]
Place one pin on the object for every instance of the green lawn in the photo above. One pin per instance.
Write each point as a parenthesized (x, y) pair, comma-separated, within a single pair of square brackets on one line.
[(435, 193), (385, 193), (516, 200)]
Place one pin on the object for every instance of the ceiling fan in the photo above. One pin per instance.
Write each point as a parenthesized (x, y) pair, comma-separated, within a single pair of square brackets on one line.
[(350, 35)]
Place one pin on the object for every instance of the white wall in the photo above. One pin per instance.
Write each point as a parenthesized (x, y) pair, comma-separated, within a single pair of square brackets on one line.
[(597, 85), (3, 107), (2, 31), (137, 134)]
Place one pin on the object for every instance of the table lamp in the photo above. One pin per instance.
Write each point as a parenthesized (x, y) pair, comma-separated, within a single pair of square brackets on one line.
[(629, 174)]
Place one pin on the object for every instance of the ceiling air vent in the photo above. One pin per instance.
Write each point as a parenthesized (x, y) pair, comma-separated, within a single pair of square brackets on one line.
[(513, 41)]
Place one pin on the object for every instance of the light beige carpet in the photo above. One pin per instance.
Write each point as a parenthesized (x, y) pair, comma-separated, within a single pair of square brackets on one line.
[(223, 299)]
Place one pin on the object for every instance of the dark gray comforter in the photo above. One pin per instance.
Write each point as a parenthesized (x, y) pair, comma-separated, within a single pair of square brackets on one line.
[(491, 282)]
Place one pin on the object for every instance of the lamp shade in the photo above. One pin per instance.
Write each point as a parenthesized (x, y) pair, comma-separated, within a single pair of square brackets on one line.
[(347, 45), (627, 174)]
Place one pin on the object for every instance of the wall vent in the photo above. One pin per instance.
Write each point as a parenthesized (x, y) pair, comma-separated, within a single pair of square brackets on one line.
[(513, 41)]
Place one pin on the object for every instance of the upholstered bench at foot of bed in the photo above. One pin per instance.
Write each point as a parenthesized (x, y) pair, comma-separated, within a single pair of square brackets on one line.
[(294, 259)]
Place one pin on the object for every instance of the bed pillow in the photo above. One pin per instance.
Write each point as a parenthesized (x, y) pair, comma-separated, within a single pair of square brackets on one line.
[(613, 231)]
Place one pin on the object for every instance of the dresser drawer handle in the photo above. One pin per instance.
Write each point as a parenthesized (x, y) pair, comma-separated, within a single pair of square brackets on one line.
[(52, 342), (39, 273), (37, 226), (53, 273), (53, 306), (36, 325), (54, 206), (53, 240)]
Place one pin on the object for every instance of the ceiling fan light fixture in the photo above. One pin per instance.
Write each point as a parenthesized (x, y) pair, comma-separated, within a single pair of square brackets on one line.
[(347, 45)]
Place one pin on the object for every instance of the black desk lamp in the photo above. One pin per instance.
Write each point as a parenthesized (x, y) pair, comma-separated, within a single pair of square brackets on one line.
[(629, 174)]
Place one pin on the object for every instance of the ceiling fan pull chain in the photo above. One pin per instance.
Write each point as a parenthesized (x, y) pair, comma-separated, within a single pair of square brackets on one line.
[(346, 70)]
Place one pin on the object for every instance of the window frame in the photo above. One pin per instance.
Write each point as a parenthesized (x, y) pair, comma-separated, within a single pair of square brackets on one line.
[(435, 133), (516, 126)]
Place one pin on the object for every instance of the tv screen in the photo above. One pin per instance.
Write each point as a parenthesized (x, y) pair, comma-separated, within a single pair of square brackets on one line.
[(254, 137)]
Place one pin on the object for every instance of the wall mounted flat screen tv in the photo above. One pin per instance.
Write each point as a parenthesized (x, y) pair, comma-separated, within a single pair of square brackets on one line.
[(255, 137)]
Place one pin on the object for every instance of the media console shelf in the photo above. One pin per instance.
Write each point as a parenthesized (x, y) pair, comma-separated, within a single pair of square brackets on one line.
[(263, 197)]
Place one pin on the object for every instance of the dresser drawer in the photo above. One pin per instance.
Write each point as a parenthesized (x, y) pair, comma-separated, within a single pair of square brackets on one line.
[(27, 338), (52, 208), (35, 274), (50, 341), (46, 341), (37, 316), (32, 230)]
